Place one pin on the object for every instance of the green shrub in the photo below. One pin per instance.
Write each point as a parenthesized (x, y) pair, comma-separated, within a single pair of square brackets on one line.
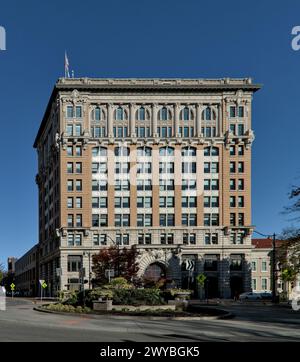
[(137, 296)]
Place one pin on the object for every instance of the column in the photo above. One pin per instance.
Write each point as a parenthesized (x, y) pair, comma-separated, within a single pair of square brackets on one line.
[(110, 131), (155, 185), (177, 112), (154, 119), (198, 119), (178, 182), (132, 120)]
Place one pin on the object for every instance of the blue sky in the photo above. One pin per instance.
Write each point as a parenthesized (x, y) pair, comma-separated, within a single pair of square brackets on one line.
[(140, 38)]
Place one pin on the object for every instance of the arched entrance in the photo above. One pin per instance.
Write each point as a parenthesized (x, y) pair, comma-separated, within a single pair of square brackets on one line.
[(236, 286), (153, 273)]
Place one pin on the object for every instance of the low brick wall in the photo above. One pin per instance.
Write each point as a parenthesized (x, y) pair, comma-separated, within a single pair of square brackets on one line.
[(133, 308)]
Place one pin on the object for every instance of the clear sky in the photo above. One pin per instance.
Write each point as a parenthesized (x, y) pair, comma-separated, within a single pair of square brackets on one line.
[(154, 38)]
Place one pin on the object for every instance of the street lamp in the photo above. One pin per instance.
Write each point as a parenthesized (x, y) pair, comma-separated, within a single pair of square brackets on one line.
[(118, 249), (88, 253)]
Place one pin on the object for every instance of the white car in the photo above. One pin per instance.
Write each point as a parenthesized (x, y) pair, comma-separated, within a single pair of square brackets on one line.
[(250, 296)]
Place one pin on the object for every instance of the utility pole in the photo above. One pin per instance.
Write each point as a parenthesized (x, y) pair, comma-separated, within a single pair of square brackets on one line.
[(273, 269)]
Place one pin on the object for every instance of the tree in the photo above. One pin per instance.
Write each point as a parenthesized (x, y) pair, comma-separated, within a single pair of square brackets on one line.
[(122, 260), (2, 272)]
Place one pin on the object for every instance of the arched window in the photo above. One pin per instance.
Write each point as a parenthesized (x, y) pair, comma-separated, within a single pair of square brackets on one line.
[(122, 151), (186, 114), (141, 114), (208, 114), (164, 114), (144, 151), (99, 151), (188, 151), (97, 114), (166, 151), (119, 114), (211, 151)]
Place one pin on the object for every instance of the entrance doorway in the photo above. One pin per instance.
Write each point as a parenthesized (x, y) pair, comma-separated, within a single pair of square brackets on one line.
[(154, 273), (211, 287), (236, 286)]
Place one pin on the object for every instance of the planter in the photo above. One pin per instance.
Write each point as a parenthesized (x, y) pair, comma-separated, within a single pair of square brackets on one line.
[(182, 295), (100, 305)]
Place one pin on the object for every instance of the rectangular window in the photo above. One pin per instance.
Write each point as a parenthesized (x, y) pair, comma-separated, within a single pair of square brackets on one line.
[(70, 112), (171, 220), (79, 202), (214, 184), (103, 202), (193, 220), (95, 202), (232, 128), (214, 201), (206, 184), (241, 201), (241, 150), (78, 167), (78, 130), (253, 265), (77, 239), (263, 266), (241, 184), (140, 201), (241, 167), (232, 111), (253, 284), (162, 219), (232, 150), (232, 184), (214, 167), (148, 202), (78, 111), (118, 202), (78, 151), (170, 201), (162, 201), (69, 130), (264, 283), (70, 239), (70, 220), (78, 185), (206, 167), (70, 203), (232, 219), (78, 220), (95, 220), (232, 167), (69, 167), (148, 220), (241, 219), (232, 201), (241, 111), (70, 185), (70, 151), (206, 201), (103, 220)]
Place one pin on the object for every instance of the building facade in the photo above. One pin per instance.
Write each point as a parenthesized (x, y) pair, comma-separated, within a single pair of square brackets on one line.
[(26, 273), (261, 267), (164, 164)]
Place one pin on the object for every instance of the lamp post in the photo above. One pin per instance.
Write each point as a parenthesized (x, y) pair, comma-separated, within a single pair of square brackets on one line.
[(118, 249), (88, 253)]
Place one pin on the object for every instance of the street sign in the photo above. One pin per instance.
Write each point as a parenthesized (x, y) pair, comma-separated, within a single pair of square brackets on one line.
[(41, 281), (12, 287), (109, 273), (190, 264), (44, 285)]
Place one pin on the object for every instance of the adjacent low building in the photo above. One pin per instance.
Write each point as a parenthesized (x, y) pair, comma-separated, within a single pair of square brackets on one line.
[(261, 268), (26, 273)]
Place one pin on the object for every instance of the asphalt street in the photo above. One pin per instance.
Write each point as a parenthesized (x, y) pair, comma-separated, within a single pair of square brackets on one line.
[(251, 323)]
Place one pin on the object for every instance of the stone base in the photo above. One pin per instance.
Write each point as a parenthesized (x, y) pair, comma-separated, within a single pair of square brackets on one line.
[(102, 305)]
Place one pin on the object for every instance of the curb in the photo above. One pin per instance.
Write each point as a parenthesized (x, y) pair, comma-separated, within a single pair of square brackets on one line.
[(227, 315)]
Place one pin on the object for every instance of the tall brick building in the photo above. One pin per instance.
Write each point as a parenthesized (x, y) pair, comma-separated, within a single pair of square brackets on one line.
[(161, 163)]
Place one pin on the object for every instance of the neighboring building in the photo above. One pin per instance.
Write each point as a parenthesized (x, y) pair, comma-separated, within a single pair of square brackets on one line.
[(171, 138), (26, 275), (11, 262), (261, 266)]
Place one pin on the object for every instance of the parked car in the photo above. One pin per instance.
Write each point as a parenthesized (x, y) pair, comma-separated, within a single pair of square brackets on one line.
[(266, 295), (250, 296)]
